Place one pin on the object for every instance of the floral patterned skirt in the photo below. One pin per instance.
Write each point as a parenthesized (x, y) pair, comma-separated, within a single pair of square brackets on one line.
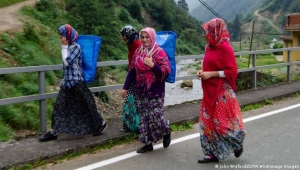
[(153, 124), (221, 129), (75, 111)]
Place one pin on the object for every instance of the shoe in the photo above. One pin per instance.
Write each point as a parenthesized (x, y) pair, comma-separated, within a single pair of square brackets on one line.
[(101, 130), (166, 140), (208, 159), (47, 136), (238, 153), (125, 130), (145, 148)]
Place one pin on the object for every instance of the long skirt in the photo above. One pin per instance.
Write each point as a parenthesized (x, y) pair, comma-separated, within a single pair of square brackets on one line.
[(221, 128), (130, 116), (75, 111), (153, 124)]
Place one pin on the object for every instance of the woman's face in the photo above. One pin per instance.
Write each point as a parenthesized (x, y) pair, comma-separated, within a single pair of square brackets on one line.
[(145, 38), (63, 40)]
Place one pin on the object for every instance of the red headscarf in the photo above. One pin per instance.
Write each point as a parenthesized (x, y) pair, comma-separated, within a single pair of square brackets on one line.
[(219, 56), (131, 49), (144, 75)]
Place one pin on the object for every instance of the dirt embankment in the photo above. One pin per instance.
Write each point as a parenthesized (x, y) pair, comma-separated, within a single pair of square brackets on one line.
[(10, 19)]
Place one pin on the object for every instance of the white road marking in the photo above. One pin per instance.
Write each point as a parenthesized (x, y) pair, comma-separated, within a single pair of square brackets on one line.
[(185, 138)]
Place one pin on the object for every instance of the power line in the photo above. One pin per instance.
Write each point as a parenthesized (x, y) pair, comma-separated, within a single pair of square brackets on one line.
[(228, 23), (215, 13)]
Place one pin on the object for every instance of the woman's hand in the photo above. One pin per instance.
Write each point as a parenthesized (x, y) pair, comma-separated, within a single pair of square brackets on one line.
[(123, 93), (64, 41), (204, 75), (149, 62), (199, 73)]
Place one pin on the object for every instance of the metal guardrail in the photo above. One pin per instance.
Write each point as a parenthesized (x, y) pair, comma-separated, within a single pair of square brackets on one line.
[(43, 96)]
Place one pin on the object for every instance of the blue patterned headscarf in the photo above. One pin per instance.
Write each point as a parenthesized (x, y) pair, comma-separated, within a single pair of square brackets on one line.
[(69, 32), (130, 34)]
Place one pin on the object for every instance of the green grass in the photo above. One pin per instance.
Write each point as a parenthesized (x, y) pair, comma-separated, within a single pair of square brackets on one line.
[(24, 49), (179, 127), (257, 105), (261, 60)]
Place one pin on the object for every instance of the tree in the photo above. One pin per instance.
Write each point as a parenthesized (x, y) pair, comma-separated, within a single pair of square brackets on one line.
[(91, 17), (236, 30), (124, 16), (135, 10), (183, 5)]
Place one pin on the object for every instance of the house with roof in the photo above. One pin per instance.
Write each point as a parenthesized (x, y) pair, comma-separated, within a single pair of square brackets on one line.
[(292, 24)]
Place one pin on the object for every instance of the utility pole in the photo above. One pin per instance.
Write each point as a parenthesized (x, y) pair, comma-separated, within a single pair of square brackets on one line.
[(251, 42), (240, 41), (240, 44)]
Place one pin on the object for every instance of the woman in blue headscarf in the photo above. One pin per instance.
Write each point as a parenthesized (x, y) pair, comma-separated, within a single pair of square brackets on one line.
[(74, 111)]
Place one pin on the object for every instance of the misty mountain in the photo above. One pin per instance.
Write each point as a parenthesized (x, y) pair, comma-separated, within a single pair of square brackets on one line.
[(192, 4), (225, 8)]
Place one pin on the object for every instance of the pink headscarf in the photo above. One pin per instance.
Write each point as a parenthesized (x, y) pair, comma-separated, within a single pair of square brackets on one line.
[(144, 75)]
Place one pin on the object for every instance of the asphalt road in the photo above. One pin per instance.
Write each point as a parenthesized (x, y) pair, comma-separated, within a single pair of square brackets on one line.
[(272, 142)]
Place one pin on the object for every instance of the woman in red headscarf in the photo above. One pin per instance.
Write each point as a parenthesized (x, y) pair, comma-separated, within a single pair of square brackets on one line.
[(148, 70), (221, 125)]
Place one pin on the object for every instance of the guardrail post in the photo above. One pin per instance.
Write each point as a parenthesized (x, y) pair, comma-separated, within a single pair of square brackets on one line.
[(288, 71), (42, 90), (254, 84)]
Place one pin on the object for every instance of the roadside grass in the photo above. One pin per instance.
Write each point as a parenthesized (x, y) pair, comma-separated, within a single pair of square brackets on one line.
[(22, 48), (266, 102), (257, 105), (182, 127)]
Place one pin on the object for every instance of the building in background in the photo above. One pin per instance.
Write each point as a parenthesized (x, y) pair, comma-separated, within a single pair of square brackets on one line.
[(292, 25)]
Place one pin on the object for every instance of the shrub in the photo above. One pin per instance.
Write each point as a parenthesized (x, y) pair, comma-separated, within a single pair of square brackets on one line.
[(27, 88), (6, 132)]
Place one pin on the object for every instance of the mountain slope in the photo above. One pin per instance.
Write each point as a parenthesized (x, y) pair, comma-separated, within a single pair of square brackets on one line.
[(227, 9)]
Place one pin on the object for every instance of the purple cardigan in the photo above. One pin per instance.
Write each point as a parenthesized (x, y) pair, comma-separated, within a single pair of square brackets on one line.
[(157, 89)]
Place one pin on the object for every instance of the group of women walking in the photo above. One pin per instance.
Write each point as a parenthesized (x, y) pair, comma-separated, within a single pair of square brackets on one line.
[(222, 129)]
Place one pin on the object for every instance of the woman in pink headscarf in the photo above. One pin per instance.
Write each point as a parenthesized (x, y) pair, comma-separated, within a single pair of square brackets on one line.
[(148, 70), (221, 124)]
